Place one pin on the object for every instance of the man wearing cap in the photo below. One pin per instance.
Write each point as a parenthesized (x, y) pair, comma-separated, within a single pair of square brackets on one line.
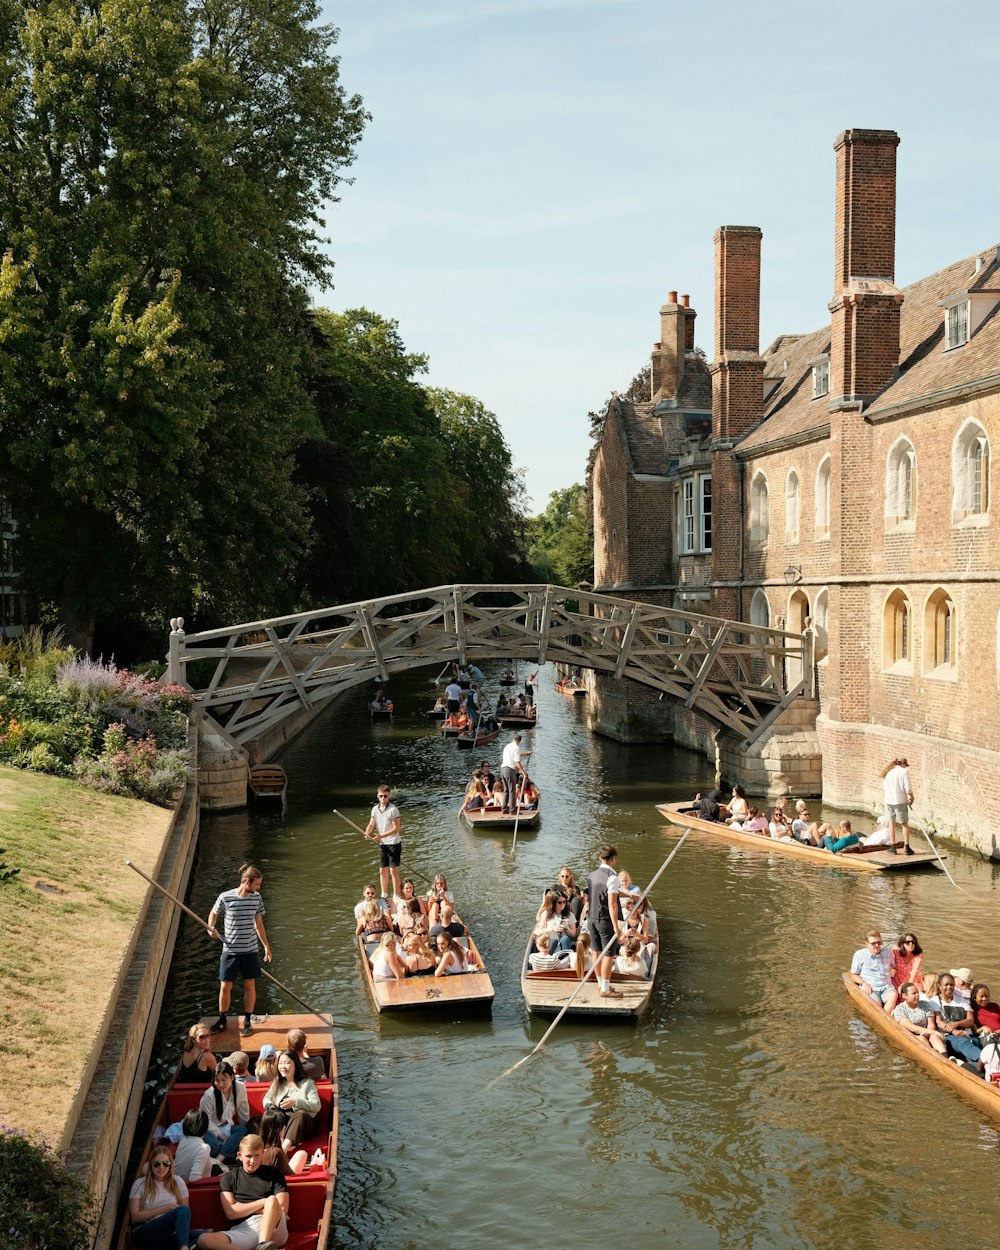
[(963, 984), (239, 1061), (510, 767)]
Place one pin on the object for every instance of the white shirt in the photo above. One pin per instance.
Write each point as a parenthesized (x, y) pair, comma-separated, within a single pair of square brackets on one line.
[(896, 788), (383, 818), (511, 755), (453, 692)]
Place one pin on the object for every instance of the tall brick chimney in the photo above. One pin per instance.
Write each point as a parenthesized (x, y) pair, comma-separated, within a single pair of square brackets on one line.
[(738, 370), (864, 352), (676, 337)]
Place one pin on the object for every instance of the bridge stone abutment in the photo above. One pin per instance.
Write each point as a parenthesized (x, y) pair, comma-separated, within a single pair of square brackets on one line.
[(786, 759)]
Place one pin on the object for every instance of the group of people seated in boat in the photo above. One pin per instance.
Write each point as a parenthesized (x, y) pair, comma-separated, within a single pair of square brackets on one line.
[(791, 826), (516, 705), (947, 1011), (569, 683), (381, 702), (560, 939), (417, 936), (485, 792), (219, 1137)]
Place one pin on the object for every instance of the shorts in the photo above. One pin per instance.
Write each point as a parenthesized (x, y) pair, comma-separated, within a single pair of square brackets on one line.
[(454, 705), (882, 995), (244, 1235), (245, 963), (599, 938), (899, 812), (389, 856)]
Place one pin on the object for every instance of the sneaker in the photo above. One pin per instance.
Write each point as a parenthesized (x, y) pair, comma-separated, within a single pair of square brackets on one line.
[(611, 994), (907, 850), (220, 1025), (247, 1028), (265, 1245), (891, 848)]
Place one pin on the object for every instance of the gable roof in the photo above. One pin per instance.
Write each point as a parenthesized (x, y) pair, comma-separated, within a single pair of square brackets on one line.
[(925, 368)]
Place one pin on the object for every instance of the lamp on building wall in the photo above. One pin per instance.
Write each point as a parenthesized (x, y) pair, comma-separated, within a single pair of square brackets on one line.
[(793, 574)]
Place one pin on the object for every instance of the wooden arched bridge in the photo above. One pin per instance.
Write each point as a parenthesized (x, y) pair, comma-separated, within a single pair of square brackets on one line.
[(250, 676)]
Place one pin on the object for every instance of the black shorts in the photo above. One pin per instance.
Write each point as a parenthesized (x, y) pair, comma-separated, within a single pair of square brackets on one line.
[(599, 938), (389, 856), (246, 963), (454, 705)]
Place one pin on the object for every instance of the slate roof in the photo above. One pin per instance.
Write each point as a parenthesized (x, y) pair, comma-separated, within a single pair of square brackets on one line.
[(925, 367), (654, 438)]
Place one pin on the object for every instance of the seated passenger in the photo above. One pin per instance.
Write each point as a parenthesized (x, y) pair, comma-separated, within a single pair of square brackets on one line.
[(963, 984), (295, 1095), (914, 1019), (637, 922), (529, 795), (446, 920), (267, 1064), (193, 1159), (631, 958), (412, 919), (804, 828), (929, 998), (312, 1065), (239, 1061), (158, 1208), (954, 1020), (985, 1012), (386, 963), (566, 882), (908, 956), (544, 959), (581, 960), (407, 892), (880, 836), (756, 823), (555, 921), (871, 969), (197, 1060), (451, 957), (496, 799), (739, 808), (488, 777), (846, 837), (272, 1127), (370, 895), (226, 1106), (372, 920), (438, 893), (248, 1185), (988, 1062), (417, 955), (709, 807), (476, 793)]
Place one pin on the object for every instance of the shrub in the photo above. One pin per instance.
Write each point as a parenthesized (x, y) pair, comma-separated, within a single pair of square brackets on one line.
[(42, 1205)]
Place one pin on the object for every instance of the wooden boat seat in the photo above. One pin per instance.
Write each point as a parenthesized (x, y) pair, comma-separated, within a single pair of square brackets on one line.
[(307, 1197)]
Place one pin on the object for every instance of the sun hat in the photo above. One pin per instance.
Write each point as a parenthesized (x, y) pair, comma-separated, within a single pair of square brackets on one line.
[(961, 974)]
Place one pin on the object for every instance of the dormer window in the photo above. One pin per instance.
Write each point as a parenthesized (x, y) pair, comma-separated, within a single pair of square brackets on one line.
[(957, 324), (821, 378)]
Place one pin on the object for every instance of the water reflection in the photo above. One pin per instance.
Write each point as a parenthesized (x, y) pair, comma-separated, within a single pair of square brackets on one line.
[(750, 1108)]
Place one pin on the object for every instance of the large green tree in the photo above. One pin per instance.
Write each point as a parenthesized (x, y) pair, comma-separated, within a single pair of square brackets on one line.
[(561, 545), (162, 169)]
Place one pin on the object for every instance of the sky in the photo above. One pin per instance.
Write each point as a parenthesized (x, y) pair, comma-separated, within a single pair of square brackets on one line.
[(538, 174)]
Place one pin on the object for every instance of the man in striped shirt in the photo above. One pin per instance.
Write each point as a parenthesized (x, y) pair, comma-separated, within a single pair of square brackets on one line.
[(241, 910)]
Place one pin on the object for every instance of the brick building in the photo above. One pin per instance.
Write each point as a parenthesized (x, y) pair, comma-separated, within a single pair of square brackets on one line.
[(847, 481)]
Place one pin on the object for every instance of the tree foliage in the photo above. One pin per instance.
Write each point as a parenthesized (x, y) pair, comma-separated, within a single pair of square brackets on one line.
[(561, 544), (162, 166), (411, 487)]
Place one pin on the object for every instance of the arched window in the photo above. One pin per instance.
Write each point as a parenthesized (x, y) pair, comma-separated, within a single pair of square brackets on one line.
[(970, 473), (900, 484), (823, 498), (758, 512), (760, 610), (821, 624), (940, 633), (897, 633), (792, 507)]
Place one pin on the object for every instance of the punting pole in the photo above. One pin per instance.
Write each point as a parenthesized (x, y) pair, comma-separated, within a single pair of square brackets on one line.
[(405, 867), (326, 1018), (941, 861), (549, 1031)]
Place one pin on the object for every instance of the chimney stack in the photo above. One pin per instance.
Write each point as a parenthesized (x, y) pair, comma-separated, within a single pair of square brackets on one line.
[(864, 352), (676, 337), (738, 370)]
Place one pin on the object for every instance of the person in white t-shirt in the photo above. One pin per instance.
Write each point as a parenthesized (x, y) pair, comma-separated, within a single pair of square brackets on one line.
[(897, 791)]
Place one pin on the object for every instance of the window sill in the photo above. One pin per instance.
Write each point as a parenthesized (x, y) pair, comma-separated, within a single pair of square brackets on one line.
[(943, 672), (892, 526), (823, 536), (900, 668), (972, 521)]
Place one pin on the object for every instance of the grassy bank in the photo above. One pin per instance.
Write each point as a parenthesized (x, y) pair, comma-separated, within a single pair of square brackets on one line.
[(65, 922)]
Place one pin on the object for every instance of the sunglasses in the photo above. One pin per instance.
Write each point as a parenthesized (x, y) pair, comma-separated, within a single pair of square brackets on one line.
[(161, 1163)]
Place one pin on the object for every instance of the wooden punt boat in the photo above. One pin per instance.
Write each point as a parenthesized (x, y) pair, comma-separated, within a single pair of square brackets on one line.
[(547, 993), (426, 992), (381, 711), (267, 783), (492, 818), (872, 861), (517, 718), (984, 1094), (310, 1207), (470, 741), (569, 686), (448, 731), (508, 679), (436, 713)]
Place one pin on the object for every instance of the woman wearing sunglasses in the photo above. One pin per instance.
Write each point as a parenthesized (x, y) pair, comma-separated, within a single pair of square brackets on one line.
[(158, 1205)]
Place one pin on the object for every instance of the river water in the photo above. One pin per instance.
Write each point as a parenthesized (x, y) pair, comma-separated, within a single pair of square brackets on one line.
[(749, 1108)]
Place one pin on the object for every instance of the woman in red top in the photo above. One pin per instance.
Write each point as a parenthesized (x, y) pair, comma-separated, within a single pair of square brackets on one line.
[(985, 1012), (908, 955)]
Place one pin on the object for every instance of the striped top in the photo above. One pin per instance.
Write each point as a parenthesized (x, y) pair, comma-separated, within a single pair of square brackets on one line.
[(238, 914)]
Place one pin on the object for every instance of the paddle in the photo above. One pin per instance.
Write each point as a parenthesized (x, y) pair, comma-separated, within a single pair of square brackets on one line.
[(204, 924), (593, 968), (404, 867)]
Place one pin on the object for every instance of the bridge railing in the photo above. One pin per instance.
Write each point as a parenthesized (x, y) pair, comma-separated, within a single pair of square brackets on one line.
[(253, 674)]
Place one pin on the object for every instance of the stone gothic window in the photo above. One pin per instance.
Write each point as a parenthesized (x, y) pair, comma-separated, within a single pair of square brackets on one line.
[(760, 610), (897, 641), (823, 499), (792, 507), (758, 512), (821, 624), (970, 473), (940, 635), (901, 485)]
